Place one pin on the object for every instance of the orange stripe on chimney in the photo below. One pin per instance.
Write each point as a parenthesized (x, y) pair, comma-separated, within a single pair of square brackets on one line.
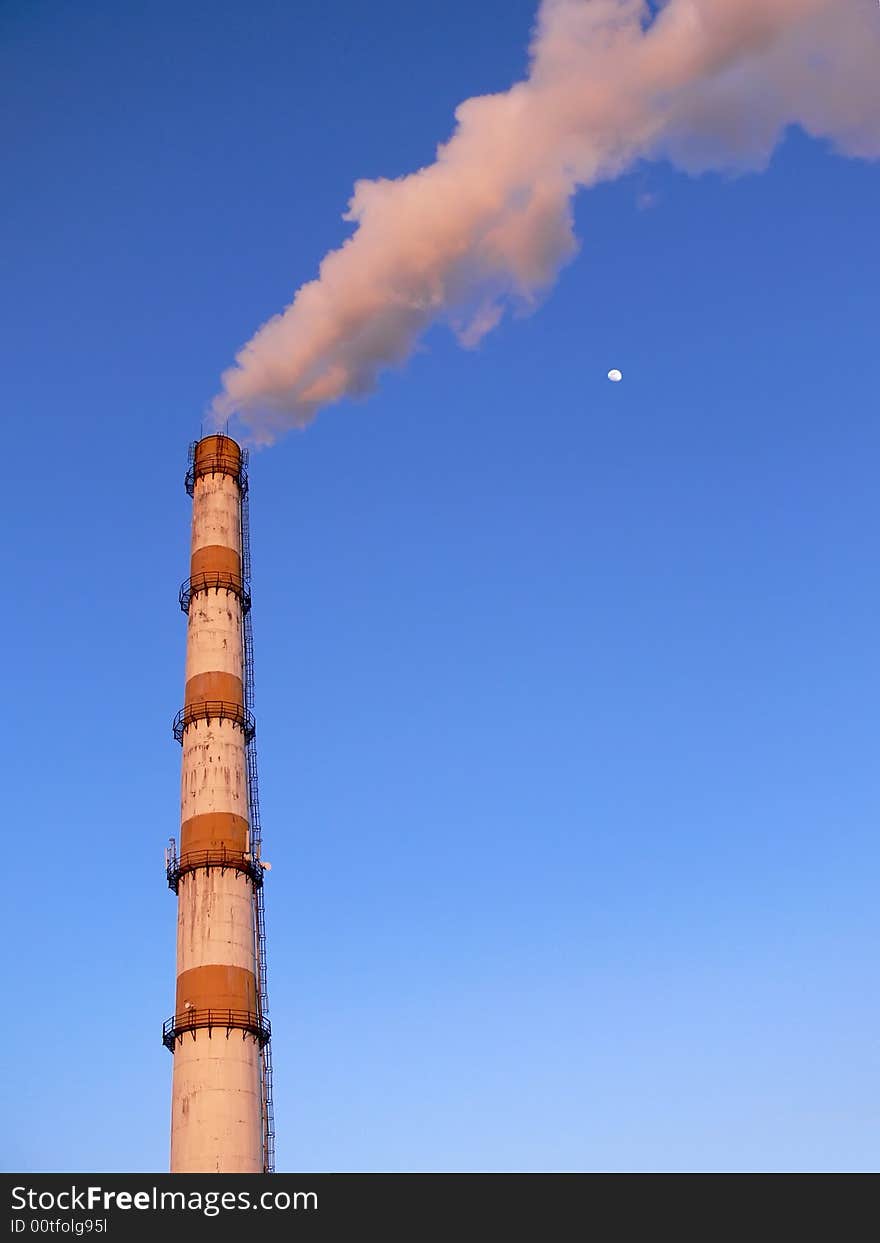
[(207, 687), (215, 559), (216, 987), (214, 830)]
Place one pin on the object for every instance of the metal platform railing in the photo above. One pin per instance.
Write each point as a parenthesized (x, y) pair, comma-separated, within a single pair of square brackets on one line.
[(220, 857), (214, 580), (245, 1021), (214, 709)]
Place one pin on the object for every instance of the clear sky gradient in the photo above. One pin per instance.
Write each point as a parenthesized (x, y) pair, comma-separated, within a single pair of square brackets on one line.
[(567, 691)]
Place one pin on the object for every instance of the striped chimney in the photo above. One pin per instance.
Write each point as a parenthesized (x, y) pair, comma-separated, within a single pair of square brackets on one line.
[(221, 1119)]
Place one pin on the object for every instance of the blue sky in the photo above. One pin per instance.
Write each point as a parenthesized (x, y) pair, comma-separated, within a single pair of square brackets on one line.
[(566, 690)]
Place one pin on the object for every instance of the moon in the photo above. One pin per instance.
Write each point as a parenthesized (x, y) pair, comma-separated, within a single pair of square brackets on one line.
[(615, 376)]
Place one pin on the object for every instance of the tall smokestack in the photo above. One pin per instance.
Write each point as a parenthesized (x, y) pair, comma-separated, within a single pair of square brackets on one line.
[(221, 1109)]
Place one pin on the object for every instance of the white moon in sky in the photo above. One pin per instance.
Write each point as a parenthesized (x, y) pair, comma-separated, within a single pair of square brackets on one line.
[(615, 376)]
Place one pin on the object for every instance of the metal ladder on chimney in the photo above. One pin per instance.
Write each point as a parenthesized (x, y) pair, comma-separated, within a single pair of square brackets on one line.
[(256, 839)]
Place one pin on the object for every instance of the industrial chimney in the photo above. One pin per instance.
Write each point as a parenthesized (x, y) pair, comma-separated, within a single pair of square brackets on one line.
[(221, 1106)]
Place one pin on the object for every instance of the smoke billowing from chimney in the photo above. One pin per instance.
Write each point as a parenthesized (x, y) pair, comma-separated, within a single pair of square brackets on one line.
[(706, 84)]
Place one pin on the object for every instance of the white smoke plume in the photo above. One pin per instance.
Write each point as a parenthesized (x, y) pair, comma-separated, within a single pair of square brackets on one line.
[(706, 84)]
